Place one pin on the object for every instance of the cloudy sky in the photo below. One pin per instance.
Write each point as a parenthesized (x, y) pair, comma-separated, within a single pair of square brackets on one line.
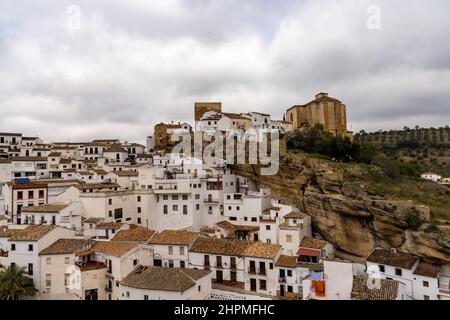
[(125, 65)]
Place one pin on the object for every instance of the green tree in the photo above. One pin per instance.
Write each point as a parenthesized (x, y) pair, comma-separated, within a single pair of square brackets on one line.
[(15, 284)]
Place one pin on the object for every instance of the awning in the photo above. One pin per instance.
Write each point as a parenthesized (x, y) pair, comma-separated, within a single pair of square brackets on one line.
[(308, 252)]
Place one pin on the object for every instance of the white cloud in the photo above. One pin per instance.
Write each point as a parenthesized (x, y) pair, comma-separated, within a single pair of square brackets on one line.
[(137, 63)]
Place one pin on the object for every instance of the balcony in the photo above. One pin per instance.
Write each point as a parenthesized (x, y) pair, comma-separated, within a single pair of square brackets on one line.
[(211, 201), (267, 218), (88, 266), (444, 290)]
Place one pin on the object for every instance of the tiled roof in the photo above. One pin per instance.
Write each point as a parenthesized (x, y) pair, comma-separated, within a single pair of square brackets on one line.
[(163, 279), (126, 173), (116, 148), (427, 270), (136, 233), (49, 208), (391, 258), (233, 247), (6, 233), (54, 154), (29, 159), (295, 215), (109, 225), (174, 237), (116, 249), (144, 155), (12, 134), (100, 171), (33, 233), (230, 247), (308, 242), (287, 261), (227, 225), (262, 250), (64, 246), (87, 186), (388, 289)]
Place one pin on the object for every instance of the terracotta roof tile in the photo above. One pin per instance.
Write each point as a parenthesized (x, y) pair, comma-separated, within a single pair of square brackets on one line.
[(163, 279), (227, 225), (391, 258), (115, 248), (234, 247), (33, 233), (64, 246), (427, 270), (308, 242), (137, 233), (287, 261), (49, 208), (388, 290), (174, 237)]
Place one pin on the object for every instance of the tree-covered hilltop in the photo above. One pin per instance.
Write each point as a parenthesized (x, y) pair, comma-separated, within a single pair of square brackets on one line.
[(317, 142), (426, 148)]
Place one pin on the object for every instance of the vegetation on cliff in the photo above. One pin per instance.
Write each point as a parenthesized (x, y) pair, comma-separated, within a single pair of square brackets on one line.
[(315, 141), (426, 148)]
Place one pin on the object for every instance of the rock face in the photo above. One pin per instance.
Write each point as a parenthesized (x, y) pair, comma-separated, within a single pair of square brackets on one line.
[(346, 216)]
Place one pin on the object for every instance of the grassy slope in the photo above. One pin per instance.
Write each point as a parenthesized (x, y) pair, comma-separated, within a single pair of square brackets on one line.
[(434, 195)]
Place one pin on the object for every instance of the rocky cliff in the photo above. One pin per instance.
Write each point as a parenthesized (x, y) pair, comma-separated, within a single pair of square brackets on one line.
[(346, 215)]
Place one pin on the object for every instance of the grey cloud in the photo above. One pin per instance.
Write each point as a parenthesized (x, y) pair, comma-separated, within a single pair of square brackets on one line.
[(135, 63)]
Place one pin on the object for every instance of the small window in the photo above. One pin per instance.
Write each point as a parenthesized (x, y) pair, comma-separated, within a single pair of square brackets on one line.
[(145, 297), (185, 197), (110, 201), (13, 247), (262, 285), (30, 247), (426, 284), (289, 273), (175, 207), (425, 297), (135, 262), (381, 268), (128, 294), (181, 251), (267, 227), (271, 266), (138, 198), (48, 261), (398, 272), (170, 250), (138, 209), (199, 288)]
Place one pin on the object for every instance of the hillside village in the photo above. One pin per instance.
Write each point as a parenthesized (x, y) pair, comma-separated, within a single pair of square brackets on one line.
[(112, 220)]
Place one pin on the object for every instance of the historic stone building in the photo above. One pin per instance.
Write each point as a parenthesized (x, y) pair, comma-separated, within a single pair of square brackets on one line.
[(325, 110), (163, 133)]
